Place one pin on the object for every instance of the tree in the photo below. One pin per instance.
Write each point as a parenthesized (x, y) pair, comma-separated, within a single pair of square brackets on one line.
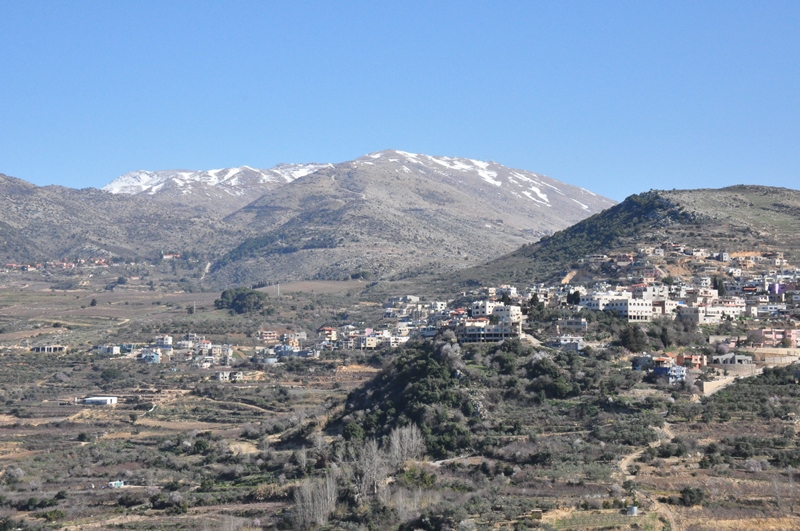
[(353, 431), (692, 496), (93, 302), (111, 373), (369, 470), (633, 338), (719, 285), (314, 502), (405, 443), (241, 300)]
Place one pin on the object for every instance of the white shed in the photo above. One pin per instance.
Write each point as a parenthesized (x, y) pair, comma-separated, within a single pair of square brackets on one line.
[(100, 400)]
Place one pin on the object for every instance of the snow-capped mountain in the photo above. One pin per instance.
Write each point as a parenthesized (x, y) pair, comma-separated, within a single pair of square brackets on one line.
[(397, 213), (521, 184), (222, 191)]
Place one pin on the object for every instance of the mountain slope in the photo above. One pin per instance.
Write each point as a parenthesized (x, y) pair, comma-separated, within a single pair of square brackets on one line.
[(393, 214), (734, 219), (220, 191)]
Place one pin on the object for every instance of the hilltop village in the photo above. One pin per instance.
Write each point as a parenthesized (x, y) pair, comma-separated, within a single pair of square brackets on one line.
[(745, 302)]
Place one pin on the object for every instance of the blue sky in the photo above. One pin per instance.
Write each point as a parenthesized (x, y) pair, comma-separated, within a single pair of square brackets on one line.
[(617, 97)]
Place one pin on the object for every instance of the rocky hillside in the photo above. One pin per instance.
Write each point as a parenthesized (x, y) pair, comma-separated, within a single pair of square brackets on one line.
[(394, 214), (52, 222), (734, 219)]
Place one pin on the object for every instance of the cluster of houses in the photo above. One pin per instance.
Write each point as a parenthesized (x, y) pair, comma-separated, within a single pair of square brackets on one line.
[(485, 320), (78, 263), (499, 313), (695, 301), (190, 348), (283, 345), (726, 286), (673, 367), (60, 264)]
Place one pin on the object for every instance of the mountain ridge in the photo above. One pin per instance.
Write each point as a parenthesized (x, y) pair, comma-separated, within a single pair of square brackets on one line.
[(221, 191)]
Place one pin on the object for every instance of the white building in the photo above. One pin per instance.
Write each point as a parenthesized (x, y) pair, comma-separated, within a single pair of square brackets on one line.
[(483, 308), (634, 310), (597, 302), (100, 400), (510, 314)]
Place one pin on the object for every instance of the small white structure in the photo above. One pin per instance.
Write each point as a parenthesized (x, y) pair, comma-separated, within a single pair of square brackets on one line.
[(230, 376), (100, 400)]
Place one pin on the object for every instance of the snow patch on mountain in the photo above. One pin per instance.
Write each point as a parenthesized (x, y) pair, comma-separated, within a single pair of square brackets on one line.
[(230, 180)]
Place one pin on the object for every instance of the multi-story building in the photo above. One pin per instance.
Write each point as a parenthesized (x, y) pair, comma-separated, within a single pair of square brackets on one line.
[(773, 337), (633, 310)]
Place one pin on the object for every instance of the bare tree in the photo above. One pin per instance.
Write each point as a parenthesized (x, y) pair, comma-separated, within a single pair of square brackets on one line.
[(369, 470), (407, 504), (777, 491), (320, 448), (405, 443), (315, 501), (301, 457)]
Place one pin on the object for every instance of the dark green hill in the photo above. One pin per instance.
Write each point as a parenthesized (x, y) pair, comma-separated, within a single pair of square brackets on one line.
[(488, 396), (734, 219)]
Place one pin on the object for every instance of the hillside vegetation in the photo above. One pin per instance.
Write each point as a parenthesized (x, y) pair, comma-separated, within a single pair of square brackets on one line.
[(738, 218), (485, 398)]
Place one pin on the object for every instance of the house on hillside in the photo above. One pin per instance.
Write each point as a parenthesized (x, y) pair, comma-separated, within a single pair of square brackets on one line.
[(773, 337), (674, 373), (150, 355), (328, 333), (691, 360), (49, 349), (566, 342), (731, 359), (571, 325), (230, 376)]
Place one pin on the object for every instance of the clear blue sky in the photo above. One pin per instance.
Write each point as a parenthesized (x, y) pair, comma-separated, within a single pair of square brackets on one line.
[(617, 97)]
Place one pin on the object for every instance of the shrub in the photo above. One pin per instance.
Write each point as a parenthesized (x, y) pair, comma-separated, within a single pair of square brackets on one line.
[(691, 496)]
